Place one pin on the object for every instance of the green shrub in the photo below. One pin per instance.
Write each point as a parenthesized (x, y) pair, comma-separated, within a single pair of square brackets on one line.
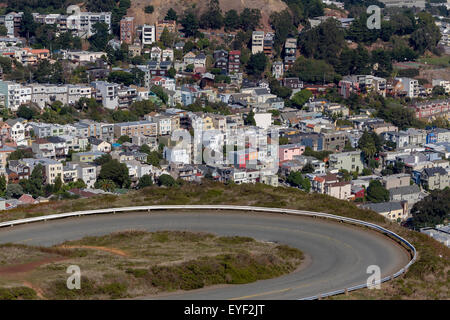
[(114, 290), (17, 293), (138, 273)]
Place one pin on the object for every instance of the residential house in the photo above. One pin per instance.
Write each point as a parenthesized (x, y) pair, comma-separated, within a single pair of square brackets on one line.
[(351, 161), (394, 210), (411, 194), (99, 145), (396, 180), (341, 190), (17, 131), (435, 178)]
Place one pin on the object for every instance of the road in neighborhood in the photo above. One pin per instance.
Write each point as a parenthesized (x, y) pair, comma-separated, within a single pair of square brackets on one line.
[(337, 255)]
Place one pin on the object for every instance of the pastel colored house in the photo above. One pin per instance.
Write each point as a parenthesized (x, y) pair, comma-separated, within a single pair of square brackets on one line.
[(288, 151)]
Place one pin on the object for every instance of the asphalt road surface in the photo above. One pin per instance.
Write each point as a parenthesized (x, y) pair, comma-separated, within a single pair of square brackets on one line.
[(337, 255)]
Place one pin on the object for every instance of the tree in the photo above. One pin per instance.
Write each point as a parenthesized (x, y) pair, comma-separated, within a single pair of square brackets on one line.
[(231, 20), (123, 139), (301, 97), (171, 15), (58, 184), (166, 180), (34, 185), (324, 42), (438, 91), (103, 159), (2, 185), (20, 153), (100, 38), (427, 34), (212, 18), (145, 181), (149, 9), (249, 19), (172, 72), (3, 30), (370, 144), (311, 70), (296, 179), (308, 168), (282, 23), (376, 192), (47, 72), (257, 64), (167, 38), (105, 184), (27, 25), (79, 184), (159, 91), (250, 119), (190, 24), (13, 190), (116, 172), (154, 158), (432, 210), (123, 77), (278, 90), (145, 149), (26, 112)]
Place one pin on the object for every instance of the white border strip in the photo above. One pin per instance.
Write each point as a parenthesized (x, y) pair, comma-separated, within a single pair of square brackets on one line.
[(239, 208)]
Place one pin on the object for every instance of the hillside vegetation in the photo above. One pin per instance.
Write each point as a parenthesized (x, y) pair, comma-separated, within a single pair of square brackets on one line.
[(426, 279), (136, 263), (161, 6)]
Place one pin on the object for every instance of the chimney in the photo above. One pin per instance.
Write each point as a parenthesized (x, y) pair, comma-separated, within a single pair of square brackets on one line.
[(405, 208)]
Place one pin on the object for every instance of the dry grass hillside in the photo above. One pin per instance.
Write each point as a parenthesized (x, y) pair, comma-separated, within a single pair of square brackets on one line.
[(428, 278), (161, 7)]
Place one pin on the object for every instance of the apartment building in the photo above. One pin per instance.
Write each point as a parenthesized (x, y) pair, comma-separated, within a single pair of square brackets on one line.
[(82, 56), (257, 42), (443, 83), (108, 93), (290, 52), (127, 30), (334, 141), (170, 25), (277, 69), (82, 23), (15, 94), (351, 161), (12, 22), (234, 61), (432, 108), (410, 86), (435, 178), (135, 128), (396, 180), (268, 43), (148, 35), (52, 168)]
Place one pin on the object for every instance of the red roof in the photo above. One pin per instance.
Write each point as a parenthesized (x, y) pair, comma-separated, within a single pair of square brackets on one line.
[(81, 193), (26, 198)]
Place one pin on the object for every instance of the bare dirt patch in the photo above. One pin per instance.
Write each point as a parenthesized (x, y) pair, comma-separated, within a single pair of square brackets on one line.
[(110, 250)]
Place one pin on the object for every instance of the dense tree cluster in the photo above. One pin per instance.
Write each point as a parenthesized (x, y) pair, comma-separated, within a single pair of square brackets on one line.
[(376, 192), (296, 179), (433, 209)]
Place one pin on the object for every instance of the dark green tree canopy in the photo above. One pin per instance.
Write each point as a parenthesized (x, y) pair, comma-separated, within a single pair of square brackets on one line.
[(376, 192)]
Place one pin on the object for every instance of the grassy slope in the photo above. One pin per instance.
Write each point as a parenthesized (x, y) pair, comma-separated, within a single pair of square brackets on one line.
[(136, 263), (427, 278)]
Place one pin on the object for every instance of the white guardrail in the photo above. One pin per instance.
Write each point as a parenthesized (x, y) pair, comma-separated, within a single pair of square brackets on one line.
[(240, 208)]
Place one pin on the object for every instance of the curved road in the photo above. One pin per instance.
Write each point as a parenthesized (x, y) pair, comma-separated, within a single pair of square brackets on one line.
[(337, 254)]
